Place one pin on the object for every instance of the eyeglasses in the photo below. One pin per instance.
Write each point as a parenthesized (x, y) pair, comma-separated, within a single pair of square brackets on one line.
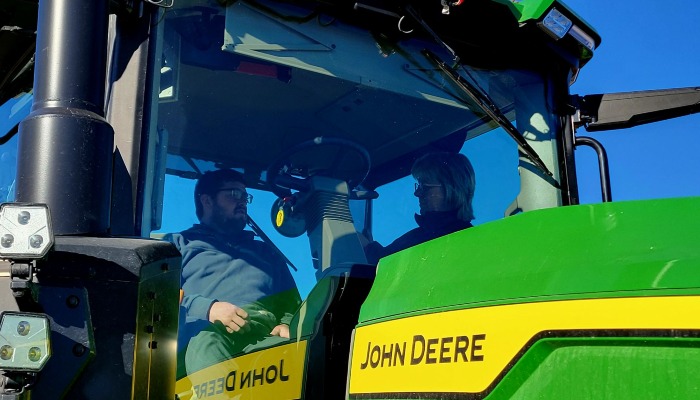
[(422, 186), (238, 194)]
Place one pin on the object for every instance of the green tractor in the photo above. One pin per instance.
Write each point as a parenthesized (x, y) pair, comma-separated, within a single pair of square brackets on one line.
[(110, 111)]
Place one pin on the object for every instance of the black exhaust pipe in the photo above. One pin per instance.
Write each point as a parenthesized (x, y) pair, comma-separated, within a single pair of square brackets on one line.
[(65, 144)]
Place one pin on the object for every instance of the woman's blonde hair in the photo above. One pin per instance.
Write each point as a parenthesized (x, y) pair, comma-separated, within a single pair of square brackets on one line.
[(455, 173)]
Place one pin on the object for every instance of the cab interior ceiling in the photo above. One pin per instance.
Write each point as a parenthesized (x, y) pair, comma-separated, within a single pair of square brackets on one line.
[(245, 121), (242, 112)]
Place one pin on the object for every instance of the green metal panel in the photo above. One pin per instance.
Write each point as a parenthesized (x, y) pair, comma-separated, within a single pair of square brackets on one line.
[(588, 251), (605, 368)]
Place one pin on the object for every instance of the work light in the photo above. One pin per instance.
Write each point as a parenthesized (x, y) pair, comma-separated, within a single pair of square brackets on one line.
[(556, 24), (25, 231), (24, 341)]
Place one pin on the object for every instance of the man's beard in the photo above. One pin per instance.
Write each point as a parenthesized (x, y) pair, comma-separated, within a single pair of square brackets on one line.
[(225, 223)]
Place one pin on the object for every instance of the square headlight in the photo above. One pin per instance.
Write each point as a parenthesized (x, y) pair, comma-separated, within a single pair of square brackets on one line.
[(24, 341), (25, 231)]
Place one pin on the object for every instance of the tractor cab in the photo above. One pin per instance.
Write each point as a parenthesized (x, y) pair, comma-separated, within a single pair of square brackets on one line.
[(324, 109)]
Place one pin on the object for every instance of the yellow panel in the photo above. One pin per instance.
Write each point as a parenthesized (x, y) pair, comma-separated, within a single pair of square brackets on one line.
[(275, 373), (465, 350)]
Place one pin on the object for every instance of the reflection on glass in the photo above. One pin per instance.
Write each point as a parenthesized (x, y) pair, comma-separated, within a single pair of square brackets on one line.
[(11, 113)]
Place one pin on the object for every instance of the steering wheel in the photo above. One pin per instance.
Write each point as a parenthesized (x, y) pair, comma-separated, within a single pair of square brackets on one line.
[(323, 156)]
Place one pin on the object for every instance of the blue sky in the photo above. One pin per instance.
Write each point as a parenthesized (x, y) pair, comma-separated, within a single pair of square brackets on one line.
[(647, 44)]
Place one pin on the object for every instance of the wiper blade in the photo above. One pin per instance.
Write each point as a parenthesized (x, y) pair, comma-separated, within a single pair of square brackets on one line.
[(489, 107), (480, 98)]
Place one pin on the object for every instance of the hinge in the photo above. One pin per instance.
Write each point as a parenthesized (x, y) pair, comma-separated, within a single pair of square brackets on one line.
[(21, 277)]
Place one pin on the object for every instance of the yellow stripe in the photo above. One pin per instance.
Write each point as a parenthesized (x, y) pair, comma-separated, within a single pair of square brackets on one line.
[(464, 351), (275, 373)]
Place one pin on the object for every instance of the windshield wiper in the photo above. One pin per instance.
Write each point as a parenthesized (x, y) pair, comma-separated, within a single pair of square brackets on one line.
[(481, 98), (489, 107)]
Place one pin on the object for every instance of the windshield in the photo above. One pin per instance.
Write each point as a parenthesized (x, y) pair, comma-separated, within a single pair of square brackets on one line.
[(250, 85), (11, 113)]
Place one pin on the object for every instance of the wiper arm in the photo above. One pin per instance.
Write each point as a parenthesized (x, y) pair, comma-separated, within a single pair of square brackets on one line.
[(489, 107)]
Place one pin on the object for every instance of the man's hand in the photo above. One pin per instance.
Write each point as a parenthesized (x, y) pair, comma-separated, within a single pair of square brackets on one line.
[(281, 331), (234, 318)]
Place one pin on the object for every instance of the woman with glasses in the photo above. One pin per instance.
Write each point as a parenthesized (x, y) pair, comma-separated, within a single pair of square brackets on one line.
[(445, 188)]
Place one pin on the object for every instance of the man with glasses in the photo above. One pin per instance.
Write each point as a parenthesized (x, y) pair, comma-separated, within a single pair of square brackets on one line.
[(237, 290), (444, 187)]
